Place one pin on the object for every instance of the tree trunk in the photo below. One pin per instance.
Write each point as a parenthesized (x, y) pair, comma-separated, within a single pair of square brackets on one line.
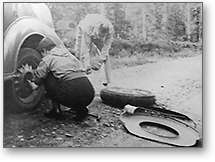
[(200, 23), (125, 10), (144, 31), (188, 31), (102, 9), (165, 19)]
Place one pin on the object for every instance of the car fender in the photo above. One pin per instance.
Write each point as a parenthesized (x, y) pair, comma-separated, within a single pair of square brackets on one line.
[(17, 33), (12, 11)]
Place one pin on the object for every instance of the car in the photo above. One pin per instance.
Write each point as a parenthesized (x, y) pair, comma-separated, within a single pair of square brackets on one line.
[(25, 24)]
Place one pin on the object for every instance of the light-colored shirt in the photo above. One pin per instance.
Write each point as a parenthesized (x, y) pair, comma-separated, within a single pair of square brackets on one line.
[(61, 63), (87, 33)]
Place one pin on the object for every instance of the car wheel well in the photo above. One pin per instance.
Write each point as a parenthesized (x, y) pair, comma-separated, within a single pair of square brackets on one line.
[(32, 41)]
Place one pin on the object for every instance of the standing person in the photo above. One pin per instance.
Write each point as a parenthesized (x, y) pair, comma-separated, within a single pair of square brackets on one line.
[(94, 30), (64, 81)]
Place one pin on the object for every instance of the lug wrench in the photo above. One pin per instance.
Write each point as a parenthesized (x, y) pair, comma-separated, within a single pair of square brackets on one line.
[(98, 118)]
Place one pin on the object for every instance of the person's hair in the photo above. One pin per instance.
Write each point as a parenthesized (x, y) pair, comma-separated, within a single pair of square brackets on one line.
[(104, 28), (46, 44)]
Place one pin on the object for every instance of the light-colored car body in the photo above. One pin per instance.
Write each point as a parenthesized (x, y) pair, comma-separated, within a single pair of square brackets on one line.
[(24, 27)]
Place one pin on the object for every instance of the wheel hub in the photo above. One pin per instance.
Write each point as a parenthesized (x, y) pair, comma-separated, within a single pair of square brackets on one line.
[(22, 87), (26, 74)]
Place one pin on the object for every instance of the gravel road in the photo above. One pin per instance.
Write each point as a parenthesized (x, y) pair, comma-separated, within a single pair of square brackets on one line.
[(177, 84)]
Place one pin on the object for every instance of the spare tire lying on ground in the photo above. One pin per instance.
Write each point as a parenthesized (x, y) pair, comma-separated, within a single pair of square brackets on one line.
[(119, 97)]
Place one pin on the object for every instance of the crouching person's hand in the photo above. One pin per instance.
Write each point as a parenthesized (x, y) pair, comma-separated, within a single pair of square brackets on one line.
[(32, 85)]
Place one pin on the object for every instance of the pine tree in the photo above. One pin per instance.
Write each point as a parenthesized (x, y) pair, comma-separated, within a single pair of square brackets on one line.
[(115, 13)]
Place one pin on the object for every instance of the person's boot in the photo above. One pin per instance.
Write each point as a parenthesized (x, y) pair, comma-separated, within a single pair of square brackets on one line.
[(55, 111), (81, 114), (52, 114)]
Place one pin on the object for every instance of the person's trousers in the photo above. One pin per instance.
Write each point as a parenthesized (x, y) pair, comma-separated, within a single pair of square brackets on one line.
[(76, 93), (82, 48)]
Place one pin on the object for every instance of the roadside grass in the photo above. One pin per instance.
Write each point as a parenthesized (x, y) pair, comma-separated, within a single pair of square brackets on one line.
[(129, 60)]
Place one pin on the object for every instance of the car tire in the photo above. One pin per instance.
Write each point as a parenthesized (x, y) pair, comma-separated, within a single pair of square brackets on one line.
[(18, 97), (119, 97)]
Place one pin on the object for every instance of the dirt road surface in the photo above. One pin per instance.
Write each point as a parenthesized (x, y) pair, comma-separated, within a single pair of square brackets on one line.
[(177, 84)]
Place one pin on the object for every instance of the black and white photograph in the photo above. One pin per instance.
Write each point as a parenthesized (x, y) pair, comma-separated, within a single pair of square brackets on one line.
[(102, 75)]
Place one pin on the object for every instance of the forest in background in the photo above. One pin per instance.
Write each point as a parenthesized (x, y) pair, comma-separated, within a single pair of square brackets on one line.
[(139, 27)]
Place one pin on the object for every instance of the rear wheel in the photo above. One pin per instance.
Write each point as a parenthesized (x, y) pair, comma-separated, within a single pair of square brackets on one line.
[(20, 97)]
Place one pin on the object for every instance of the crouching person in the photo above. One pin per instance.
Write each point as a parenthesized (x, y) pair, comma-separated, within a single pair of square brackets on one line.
[(64, 81)]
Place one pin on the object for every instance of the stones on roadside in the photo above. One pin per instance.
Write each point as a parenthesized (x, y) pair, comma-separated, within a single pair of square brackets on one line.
[(31, 137), (115, 144), (53, 134), (116, 113), (68, 135), (48, 134), (43, 130), (110, 124), (104, 135), (62, 132), (106, 124), (54, 129), (59, 138), (112, 129), (78, 145), (21, 138)]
